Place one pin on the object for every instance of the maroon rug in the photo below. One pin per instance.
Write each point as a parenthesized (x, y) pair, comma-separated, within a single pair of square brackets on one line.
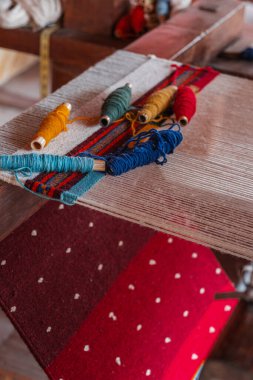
[(95, 297)]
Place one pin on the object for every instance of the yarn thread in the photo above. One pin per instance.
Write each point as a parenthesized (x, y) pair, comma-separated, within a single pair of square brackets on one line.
[(26, 172), (144, 152), (53, 124), (46, 163), (162, 7), (247, 54), (185, 105), (116, 105), (156, 103), (155, 149)]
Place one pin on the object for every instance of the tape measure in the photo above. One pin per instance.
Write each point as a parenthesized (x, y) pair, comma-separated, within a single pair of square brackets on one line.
[(45, 72)]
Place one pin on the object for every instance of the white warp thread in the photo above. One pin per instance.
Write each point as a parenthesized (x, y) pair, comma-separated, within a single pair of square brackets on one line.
[(205, 191)]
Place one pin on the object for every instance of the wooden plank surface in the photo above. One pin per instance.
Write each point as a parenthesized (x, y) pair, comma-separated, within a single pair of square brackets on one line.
[(71, 51), (236, 66), (195, 35), (94, 16), (16, 361), (16, 207), (75, 44)]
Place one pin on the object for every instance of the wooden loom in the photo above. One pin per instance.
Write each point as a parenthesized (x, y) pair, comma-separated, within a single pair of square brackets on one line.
[(204, 194)]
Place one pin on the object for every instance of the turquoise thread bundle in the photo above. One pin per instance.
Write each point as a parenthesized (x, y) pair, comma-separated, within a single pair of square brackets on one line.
[(116, 105), (46, 163)]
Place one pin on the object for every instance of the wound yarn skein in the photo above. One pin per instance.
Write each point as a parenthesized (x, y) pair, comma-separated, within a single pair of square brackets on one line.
[(116, 105), (51, 126), (159, 144), (156, 103), (185, 105), (247, 54), (162, 7)]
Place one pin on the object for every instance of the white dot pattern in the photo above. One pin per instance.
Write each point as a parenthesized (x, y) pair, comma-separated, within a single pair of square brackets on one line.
[(148, 372), (61, 207), (158, 296), (100, 267), (194, 357), (112, 316), (118, 361)]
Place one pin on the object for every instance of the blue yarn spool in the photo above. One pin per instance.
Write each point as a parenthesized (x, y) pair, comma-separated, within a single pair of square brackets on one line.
[(36, 163), (116, 105), (155, 149), (162, 7), (247, 54)]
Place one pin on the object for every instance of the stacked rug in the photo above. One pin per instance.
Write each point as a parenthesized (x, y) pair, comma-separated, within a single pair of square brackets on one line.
[(97, 298)]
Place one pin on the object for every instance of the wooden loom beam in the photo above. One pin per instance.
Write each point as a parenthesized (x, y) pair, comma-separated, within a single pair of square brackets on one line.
[(193, 36), (196, 35)]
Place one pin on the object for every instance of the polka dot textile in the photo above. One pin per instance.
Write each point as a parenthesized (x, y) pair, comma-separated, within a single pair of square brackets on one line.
[(99, 298)]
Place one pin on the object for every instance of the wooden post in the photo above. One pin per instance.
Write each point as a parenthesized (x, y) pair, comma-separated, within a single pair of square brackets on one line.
[(93, 16)]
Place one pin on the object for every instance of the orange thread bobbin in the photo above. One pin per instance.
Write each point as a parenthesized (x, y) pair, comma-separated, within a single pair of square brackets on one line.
[(53, 124)]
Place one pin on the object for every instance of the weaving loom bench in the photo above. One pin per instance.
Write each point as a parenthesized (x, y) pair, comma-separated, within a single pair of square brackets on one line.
[(203, 194), (193, 36)]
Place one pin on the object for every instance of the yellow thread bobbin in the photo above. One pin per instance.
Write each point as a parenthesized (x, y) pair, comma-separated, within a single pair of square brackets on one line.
[(53, 124), (156, 104)]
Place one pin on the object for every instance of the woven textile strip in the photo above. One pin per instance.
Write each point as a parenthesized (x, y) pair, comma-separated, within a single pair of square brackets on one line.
[(68, 187), (110, 300)]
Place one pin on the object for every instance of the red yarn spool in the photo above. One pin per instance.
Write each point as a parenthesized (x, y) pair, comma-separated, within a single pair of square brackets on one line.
[(137, 19), (185, 105), (131, 24), (123, 27)]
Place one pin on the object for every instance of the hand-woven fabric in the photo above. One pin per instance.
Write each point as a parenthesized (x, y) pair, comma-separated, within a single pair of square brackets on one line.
[(99, 298), (68, 187)]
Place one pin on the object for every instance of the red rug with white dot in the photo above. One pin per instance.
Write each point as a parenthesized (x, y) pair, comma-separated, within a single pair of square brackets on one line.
[(98, 298)]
